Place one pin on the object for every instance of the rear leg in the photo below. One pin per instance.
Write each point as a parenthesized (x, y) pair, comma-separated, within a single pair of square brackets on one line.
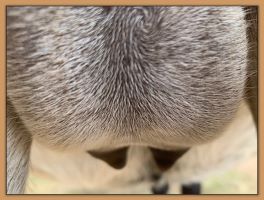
[(252, 83), (18, 150)]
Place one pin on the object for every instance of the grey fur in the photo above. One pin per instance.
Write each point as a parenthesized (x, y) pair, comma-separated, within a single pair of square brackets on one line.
[(101, 78), (18, 148)]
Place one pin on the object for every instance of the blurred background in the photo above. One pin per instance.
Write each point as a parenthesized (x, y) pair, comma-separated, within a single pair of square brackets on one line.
[(227, 165)]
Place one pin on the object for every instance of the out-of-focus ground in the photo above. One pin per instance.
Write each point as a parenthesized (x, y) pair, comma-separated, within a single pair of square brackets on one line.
[(241, 179), (54, 172)]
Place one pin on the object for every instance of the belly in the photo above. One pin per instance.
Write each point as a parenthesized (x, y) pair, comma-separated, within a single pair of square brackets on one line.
[(157, 83)]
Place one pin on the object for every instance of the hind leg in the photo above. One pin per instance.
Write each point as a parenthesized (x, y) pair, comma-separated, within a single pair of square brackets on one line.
[(252, 83), (18, 149)]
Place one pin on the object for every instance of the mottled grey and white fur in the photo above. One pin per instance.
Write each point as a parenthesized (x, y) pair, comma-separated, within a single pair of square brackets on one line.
[(96, 78)]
